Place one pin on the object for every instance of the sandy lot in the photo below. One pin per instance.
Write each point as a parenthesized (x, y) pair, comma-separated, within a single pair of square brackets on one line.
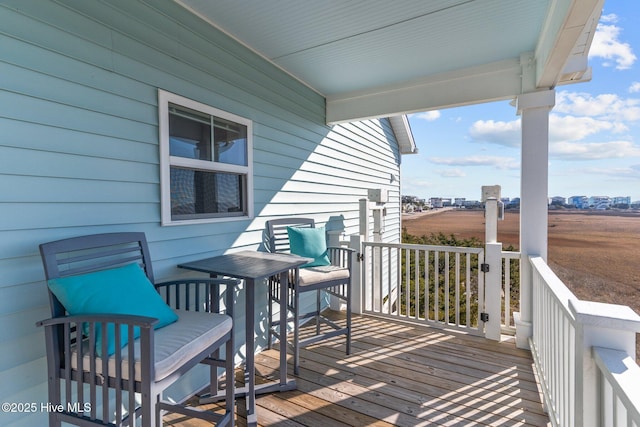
[(596, 255)]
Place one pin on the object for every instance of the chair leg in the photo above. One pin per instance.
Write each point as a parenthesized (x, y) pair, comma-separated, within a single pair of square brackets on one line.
[(54, 421), (214, 385), (318, 294), (156, 413), (296, 332), (230, 374), (348, 285), (271, 285), (150, 409), (55, 398)]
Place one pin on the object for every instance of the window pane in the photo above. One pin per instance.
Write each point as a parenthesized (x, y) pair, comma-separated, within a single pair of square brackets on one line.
[(189, 134), (201, 194), (230, 140)]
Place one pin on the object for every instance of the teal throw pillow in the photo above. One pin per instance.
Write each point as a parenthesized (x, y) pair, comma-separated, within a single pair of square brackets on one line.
[(309, 243), (121, 290)]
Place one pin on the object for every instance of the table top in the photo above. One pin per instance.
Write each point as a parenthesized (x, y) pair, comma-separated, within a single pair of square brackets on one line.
[(247, 264)]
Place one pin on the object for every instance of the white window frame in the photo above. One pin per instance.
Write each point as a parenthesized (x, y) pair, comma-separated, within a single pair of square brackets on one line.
[(166, 160)]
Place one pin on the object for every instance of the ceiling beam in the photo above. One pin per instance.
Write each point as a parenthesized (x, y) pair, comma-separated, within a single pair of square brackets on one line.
[(484, 83)]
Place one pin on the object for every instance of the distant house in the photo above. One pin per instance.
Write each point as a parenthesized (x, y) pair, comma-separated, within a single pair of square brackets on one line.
[(599, 202), (472, 204), (580, 202), (436, 202), (623, 202)]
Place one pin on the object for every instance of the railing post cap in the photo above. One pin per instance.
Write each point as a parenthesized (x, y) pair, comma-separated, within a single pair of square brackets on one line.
[(610, 316)]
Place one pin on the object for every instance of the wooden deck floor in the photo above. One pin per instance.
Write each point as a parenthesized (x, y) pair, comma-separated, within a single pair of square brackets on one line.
[(401, 375)]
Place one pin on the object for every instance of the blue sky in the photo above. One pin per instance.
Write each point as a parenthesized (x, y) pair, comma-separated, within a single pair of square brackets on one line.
[(594, 137)]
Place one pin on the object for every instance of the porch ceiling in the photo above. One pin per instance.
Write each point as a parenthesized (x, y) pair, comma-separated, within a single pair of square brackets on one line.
[(373, 58)]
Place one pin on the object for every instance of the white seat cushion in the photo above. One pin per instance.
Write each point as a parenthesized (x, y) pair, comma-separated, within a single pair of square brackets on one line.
[(174, 344), (324, 273)]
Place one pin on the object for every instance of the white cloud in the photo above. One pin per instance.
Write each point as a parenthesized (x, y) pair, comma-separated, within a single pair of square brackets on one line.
[(575, 118), (635, 87), (495, 161), (571, 128), (605, 106), (567, 150), (632, 171), (452, 173), (413, 185), (610, 18), (566, 140), (606, 45), (497, 132), (429, 116)]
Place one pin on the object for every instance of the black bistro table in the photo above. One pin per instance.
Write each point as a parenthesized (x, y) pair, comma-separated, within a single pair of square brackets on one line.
[(254, 266)]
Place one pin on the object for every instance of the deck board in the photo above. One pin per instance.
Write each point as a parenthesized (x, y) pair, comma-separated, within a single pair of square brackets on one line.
[(401, 374)]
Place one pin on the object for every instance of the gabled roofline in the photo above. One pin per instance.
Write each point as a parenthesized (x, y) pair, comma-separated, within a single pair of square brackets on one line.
[(562, 52), (404, 136)]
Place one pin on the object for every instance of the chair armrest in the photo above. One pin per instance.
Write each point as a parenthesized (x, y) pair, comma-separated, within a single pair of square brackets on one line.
[(341, 256), (64, 334), (198, 294), (124, 319)]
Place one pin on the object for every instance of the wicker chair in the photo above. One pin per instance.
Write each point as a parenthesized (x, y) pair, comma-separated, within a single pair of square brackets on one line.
[(125, 388)]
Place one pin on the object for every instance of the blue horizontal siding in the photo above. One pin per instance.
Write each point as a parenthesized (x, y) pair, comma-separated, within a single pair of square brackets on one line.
[(79, 153), (29, 109), (41, 137)]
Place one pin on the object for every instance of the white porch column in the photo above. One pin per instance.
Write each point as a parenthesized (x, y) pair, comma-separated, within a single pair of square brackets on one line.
[(534, 108)]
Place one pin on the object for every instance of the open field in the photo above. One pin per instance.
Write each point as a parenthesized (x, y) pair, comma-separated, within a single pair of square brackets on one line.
[(597, 255)]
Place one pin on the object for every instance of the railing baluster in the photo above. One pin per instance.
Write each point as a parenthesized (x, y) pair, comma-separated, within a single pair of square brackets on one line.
[(467, 288), (407, 287), (398, 257), (390, 286), (380, 268), (457, 289), (507, 291), (416, 285), (447, 290), (436, 283), (426, 285)]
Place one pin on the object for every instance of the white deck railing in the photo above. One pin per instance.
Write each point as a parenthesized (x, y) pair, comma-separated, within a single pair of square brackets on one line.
[(436, 285), (620, 392), (584, 354), (389, 288)]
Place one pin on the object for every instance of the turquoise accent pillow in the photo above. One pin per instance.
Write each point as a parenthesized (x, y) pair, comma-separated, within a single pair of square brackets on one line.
[(309, 243), (121, 290)]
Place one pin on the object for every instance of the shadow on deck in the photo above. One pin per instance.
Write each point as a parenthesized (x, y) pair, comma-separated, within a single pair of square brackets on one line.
[(401, 375)]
